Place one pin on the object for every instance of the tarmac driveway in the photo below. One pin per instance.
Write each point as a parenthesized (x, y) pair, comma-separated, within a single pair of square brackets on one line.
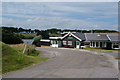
[(69, 63)]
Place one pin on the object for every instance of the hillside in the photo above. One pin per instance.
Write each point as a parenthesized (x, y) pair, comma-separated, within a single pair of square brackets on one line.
[(13, 59)]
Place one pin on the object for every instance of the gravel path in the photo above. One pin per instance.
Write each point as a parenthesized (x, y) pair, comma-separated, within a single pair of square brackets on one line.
[(69, 63)]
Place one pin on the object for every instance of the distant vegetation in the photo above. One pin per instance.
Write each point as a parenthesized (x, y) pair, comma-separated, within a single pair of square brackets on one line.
[(29, 33), (10, 38), (26, 35), (37, 40), (13, 58)]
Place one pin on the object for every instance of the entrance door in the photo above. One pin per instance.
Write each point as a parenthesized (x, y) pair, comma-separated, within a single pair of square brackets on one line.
[(77, 44), (109, 45)]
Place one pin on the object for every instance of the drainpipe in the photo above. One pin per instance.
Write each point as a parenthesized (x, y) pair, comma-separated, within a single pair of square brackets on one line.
[(112, 45)]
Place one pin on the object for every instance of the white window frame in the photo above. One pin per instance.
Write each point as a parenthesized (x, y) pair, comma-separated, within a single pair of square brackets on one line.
[(52, 42), (64, 42), (69, 42), (104, 44), (97, 44)]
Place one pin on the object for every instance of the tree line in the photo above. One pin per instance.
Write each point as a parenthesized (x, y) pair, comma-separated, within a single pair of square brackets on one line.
[(14, 35), (52, 32)]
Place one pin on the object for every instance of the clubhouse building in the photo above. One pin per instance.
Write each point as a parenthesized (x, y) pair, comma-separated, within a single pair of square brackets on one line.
[(82, 40)]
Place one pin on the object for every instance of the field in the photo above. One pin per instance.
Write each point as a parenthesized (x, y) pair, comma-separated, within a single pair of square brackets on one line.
[(13, 58), (27, 35)]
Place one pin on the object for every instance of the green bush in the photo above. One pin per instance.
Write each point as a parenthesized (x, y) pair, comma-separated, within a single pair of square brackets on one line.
[(37, 40), (27, 35), (34, 53), (10, 38)]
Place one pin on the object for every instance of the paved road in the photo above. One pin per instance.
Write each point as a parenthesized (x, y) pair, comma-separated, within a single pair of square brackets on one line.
[(68, 63)]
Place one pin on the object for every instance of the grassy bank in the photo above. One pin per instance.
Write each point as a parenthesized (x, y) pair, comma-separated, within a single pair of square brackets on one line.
[(29, 50), (98, 49), (13, 59)]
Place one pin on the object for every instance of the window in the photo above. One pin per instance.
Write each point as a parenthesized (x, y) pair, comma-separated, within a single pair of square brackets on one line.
[(87, 44), (104, 44), (51, 41), (100, 44), (93, 44), (64, 42), (54, 42), (97, 44), (115, 43), (115, 46), (69, 42)]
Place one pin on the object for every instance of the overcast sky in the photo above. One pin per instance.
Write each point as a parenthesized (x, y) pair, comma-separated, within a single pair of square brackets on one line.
[(62, 15)]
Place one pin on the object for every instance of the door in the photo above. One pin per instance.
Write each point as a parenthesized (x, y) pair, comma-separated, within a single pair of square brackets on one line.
[(109, 45), (77, 44)]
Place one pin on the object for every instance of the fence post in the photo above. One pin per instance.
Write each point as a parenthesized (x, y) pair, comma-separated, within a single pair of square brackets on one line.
[(24, 49)]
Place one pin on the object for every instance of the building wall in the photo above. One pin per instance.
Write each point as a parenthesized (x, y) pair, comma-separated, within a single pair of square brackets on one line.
[(56, 43), (45, 43), (99, 44), (69, 38), (115, 45)]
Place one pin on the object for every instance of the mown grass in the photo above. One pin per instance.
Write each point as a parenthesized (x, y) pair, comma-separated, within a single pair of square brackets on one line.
[(98, 49), (13, 59), (117, 57)]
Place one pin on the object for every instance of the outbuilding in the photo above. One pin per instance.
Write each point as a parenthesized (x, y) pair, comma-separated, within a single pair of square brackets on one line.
[(45, 42)]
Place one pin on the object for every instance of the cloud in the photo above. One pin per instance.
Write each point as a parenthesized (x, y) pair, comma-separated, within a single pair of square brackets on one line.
[(62, 15), (56, 22)]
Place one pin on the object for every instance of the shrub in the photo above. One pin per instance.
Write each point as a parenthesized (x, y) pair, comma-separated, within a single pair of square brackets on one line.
[(37, 40), (10, 38)]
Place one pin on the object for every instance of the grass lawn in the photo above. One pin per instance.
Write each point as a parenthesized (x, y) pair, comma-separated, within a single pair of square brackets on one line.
[(117, 57), (98, 49), (13, 59)]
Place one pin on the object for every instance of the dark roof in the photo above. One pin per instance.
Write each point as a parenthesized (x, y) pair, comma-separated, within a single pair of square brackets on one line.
[(96, 37), (114, 37), (110, 34), (80, 35)]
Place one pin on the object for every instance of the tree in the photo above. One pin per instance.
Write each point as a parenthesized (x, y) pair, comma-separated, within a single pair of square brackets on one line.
[(21, 29), (37, 40), (10, 38), (44, 34)]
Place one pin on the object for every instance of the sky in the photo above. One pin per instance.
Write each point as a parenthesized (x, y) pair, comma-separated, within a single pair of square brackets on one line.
[(61, 15)]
